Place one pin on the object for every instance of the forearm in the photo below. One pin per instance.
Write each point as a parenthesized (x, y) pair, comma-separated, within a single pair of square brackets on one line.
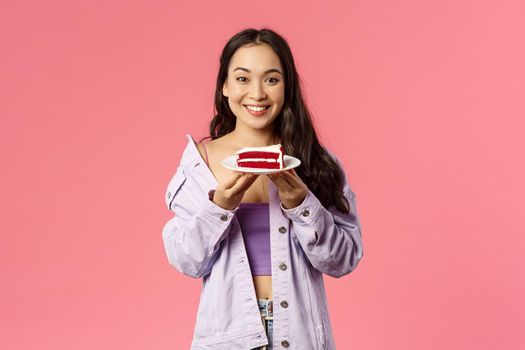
[(192, 241), (330, 239)]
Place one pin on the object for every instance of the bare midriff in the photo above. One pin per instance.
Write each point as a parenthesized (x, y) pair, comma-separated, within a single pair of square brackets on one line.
[(263, 287)]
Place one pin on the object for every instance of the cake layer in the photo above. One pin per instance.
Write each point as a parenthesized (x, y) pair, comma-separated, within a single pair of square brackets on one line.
[(256, 154), (259, 165)]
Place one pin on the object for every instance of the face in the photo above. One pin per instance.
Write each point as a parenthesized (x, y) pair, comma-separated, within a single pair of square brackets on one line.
[(255, 80)]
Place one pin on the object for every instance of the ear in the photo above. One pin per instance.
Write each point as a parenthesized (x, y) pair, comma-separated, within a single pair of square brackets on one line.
[(225, 88)]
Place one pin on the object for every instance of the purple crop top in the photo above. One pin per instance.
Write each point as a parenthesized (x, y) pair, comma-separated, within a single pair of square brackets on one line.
[(254, 219)]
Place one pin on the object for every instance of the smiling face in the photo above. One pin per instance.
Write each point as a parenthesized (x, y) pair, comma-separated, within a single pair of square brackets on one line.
[(255, 86)]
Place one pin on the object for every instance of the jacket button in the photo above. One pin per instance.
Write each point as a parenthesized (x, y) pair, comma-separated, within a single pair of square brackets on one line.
[(285, 344), (283, 266), (305, 212), (224, 217), (284, 304), (282, 229), (169, 194)]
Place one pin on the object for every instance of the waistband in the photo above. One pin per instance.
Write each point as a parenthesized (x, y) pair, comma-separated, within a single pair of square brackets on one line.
[(266, 307)]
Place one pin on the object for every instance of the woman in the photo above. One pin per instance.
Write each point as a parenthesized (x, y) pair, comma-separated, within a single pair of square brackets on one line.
[(261, 243)]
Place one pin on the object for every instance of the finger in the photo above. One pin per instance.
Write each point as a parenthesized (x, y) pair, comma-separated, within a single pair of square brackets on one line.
[(294, 180), (280, 181), (248, 181), (231, 180), (243, 183), (273, 176), (288, 178)]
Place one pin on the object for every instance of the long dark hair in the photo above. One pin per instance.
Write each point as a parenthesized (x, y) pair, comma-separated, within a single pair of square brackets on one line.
[(294, 126)]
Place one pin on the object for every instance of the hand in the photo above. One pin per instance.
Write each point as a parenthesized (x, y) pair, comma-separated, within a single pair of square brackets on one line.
[(292, 190), (229, 193)]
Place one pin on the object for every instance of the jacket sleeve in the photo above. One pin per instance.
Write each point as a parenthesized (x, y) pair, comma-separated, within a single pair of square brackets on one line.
[(193, 235), (330, 239)]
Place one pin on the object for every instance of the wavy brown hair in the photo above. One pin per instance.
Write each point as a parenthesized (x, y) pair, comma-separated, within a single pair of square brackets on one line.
[(294, 125)]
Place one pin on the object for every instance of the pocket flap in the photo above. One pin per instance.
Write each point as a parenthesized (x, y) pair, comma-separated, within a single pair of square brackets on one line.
[(174, 185)]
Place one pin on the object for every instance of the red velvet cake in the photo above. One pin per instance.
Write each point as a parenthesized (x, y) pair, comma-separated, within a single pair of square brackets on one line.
[(268, 157)]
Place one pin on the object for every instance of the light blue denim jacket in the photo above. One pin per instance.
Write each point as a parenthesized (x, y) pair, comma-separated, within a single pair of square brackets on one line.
[(203, 240)]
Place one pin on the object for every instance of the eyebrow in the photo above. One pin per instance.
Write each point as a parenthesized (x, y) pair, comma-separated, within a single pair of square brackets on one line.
[(268, 71)]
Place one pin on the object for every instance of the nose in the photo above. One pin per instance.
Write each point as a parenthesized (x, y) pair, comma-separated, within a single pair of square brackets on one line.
[(257, 91)]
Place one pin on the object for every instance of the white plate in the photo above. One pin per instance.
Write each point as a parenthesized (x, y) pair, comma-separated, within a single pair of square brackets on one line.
[(231, 163)]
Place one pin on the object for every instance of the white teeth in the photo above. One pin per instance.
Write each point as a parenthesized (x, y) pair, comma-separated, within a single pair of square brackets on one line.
[(256, 109)]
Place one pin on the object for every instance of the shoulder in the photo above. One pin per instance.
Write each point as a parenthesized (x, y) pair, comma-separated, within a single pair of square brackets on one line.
[(206, 147), (192, 152), (338, 162), (200, 148), (213, 146), (342, 171)]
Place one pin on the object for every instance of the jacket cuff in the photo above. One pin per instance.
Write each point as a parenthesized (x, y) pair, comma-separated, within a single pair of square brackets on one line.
[(215, 213), (306, 212), (218, 220)]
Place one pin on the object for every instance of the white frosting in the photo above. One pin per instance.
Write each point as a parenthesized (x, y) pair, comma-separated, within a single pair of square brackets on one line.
[(259, 160), (273, 148)]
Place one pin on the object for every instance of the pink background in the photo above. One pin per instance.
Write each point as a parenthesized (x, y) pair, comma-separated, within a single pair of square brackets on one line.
[(422, 100)]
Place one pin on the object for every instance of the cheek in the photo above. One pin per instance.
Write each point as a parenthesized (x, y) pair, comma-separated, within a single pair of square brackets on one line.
[(279, 95), (279, 100), (237, 93)]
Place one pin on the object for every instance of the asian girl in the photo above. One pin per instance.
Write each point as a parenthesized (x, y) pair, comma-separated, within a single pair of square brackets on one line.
[(281, 231)]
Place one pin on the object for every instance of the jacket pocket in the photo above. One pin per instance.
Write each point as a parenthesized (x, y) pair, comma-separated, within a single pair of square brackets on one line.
[(174, 185)]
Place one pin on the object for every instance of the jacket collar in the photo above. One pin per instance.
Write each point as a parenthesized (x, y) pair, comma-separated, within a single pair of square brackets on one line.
[(192, 160)]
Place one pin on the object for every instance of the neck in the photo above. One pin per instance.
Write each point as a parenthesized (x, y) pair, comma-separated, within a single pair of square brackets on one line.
[(253, 138)]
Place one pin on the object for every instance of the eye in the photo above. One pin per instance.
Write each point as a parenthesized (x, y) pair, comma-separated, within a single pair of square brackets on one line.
[(242, 81), (275, 80)]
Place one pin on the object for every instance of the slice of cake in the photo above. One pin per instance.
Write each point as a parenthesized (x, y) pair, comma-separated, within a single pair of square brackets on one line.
[(268, 157)]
